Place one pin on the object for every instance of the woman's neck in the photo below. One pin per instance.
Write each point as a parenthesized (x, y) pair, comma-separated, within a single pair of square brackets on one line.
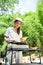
[(15, 28)]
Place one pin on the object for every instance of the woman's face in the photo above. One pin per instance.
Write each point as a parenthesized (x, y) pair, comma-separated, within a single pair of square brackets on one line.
[(18, 24)]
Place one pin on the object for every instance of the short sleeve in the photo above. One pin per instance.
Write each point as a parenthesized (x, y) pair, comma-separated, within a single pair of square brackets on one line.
[(7, 32)]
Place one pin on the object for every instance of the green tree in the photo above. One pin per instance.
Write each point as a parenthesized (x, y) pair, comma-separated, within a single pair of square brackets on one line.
[(40, 10), (8, 4), (40, 16)]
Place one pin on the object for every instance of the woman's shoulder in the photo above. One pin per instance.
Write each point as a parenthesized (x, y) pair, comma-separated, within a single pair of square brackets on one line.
[(9, 28)]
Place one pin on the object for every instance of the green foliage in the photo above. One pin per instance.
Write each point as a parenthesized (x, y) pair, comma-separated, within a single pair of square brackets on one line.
[(8, 3), (32, 28), (40, 17), (40, 10)]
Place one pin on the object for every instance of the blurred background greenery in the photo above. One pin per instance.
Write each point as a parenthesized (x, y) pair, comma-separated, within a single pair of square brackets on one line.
[(33, 22)]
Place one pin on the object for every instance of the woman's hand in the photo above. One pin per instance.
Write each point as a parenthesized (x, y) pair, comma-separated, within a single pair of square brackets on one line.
[(7, 39), (23, 39)]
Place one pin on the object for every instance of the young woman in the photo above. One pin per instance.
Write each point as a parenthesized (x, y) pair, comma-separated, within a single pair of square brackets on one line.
[(14, 33)]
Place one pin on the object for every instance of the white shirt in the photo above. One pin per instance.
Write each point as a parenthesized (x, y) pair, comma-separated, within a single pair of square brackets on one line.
[(12, 34)]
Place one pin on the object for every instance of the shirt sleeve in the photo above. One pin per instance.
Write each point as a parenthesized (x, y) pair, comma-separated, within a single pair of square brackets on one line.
[(7, 32)]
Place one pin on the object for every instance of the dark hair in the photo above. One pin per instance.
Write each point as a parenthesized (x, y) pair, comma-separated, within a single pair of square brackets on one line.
[(16, 21), (18, 30)]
